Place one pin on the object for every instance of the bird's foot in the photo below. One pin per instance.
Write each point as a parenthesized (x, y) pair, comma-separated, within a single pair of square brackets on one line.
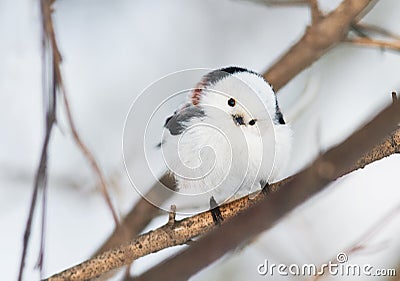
[(266, 190), (215, 211)]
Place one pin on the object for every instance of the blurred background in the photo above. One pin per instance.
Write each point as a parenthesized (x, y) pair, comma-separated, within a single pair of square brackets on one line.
[(112, 50)]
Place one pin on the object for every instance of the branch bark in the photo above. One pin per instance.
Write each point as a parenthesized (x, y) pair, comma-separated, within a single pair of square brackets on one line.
[(369, 42), (137, 218), (316, 13), (316, 41)]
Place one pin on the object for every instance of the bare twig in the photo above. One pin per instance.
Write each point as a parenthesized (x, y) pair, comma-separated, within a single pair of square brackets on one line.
[(316, 41), (89, 156), (316, 13), (40, 183), (57, 59), (369, 42), (138, 217), (363, 38), (374, 29), (50, 84)]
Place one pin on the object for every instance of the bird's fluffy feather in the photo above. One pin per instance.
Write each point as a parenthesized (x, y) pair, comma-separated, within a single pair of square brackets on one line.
[(213, 155)]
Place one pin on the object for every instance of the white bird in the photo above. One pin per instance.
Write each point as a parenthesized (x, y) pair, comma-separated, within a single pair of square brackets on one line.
[(229, 139)]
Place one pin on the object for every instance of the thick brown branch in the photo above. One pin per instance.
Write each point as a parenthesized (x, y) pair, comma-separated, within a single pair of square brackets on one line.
[(316, 41), (389, 146)]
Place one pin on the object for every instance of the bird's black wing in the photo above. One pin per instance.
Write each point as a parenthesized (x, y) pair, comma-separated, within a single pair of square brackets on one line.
[(177, 123)]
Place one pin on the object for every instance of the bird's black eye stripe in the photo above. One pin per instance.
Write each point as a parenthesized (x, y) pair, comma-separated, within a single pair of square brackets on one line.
[(252, 122), (231, 102)]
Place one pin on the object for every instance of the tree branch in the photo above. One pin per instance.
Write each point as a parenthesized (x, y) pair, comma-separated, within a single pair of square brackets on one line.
[(184, 230), (335, 163), (316, 14), (364, 28), (137, 218), (369, 42), (316, 41), (57, 59), (90, 158), (50, 85)]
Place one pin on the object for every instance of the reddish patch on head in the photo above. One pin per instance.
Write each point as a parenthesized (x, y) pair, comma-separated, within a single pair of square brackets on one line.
[(196, 95)]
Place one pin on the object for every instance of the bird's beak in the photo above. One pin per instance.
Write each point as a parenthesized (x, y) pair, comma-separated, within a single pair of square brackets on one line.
[(238, 120)]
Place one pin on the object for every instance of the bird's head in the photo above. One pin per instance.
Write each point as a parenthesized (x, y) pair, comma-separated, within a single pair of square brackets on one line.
[(239, 98)]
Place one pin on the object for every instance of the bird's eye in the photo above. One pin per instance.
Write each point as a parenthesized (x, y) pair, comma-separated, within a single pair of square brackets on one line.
[(252, 122), (231, 102)]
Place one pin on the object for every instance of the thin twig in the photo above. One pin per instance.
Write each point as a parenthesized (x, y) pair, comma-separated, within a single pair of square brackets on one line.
[(369, 42), (316, 13), (374, 29), (138, 217), (57, 59), (49, 87), (93, 163), (52, 83), (40, 181)]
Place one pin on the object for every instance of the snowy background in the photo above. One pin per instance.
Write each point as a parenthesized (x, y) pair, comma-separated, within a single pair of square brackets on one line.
[(112, 50)]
